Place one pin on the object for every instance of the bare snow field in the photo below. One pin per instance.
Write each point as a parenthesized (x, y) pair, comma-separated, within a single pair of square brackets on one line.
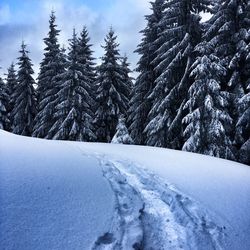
[(70, 195)]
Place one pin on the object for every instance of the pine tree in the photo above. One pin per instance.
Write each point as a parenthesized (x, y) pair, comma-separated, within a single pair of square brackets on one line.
[(181, 31), (127, 79), (140, 103), (73, 114), (242, 64), (243, 103), (53, 64), (243, 127), (11, 82), (111, 100), (228, 34), (24, 109), (88, 70), (4, 121), (122, 135), (207, 120)]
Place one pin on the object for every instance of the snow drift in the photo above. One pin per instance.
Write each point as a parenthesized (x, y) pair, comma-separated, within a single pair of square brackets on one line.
[(70, 195)]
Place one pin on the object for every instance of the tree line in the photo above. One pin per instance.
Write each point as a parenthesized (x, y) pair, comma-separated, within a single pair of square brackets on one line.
[(192, 91)]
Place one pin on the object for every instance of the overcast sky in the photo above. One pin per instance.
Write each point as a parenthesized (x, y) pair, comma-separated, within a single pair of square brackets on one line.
[(28, 20)]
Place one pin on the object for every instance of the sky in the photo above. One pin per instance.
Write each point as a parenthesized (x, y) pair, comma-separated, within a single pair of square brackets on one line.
[(28, 20)]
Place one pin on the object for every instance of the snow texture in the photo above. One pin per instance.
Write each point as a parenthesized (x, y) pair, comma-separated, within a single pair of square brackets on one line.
[(74, 195), (51, 196)]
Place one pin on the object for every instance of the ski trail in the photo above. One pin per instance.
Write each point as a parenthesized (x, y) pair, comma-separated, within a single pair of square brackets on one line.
[(126, 228), (151, 214)]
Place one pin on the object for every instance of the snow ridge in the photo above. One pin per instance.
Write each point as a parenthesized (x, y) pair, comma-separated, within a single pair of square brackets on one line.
[(151, 214)]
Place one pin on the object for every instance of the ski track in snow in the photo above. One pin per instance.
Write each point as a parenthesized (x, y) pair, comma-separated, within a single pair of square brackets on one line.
[(152, 214)]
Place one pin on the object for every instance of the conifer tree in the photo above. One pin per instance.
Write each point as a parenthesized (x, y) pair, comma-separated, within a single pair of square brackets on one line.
[(52, 65), (241, 63), (4, 121), (243, 127), (140, 103), (24, 108), (243, 102), (127, 79), (88, 69), (11, 82), (111, 100), (122, 135), (73, 116), (207, 120), (228, 34), (181, 31)]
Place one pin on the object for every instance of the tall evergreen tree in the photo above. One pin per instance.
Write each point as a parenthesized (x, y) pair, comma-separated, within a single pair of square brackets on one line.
[(88, 69), (140, 103), (111, 100), (228, 34), (11, 82), (24, 109), (53, 64), (4, 121), (243, 104), (127, 79), (241, 63), (243, 126), (73, 115), (207, 120), (181, 31)]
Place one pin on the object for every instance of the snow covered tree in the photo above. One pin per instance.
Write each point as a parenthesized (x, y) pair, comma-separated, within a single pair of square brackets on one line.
[(207, 120), (243, 127), (53, 64), (228, 34), (111, 93), (24, 108), (181, 31), (85, 58), (140, 104), (73, 115), (243, 103), (11, 82), (127, 79), (122, 135), (241, 63), (4, 98)]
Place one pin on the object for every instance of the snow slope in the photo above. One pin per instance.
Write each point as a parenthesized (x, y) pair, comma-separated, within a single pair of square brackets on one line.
[(68, 195), (51, 196)]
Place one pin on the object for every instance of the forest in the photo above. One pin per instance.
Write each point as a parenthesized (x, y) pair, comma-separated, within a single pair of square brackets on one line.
[(191, 92)]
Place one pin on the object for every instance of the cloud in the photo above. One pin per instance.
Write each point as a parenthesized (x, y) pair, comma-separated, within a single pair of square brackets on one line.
[(126, 17), (4, 14)]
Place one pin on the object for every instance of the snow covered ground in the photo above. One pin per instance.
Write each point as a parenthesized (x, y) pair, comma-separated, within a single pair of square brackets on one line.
[(68, 195)]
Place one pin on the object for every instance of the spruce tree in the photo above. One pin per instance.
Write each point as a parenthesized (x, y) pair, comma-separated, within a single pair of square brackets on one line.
[(111, 93), (241, 63), (243, 102), (207, 120), (127, 79), (88, 69), (52, 65), (11, 82), (228, 34), (140, 104), (24, 108), (4, 121), (243, 127), (73, 115), (181, 31), (122, 135)]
